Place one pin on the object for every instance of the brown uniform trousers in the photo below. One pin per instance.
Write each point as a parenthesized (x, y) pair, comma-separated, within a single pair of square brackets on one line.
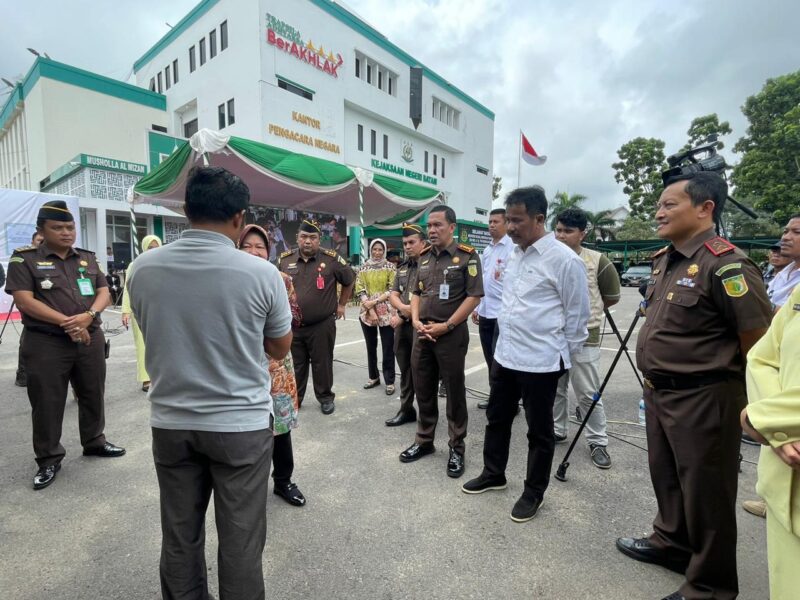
[(404, 337), (703, 293), (314, 344)]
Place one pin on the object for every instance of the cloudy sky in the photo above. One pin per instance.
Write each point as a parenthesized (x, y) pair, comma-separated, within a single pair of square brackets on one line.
[(579, 78)]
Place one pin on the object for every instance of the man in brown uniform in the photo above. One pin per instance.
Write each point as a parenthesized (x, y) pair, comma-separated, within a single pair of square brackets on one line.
[(404, 282), (449, 287), (60, 291), (706, 306), (315, 273)]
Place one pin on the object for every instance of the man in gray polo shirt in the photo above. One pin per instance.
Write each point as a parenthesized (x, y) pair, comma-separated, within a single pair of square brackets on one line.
[(208, 313)]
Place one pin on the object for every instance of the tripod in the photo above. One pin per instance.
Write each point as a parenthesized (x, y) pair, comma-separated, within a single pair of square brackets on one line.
[(8, 318), (561, 473), (622, 343)]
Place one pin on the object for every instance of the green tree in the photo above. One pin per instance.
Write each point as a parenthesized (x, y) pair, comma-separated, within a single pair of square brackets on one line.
[(639, 168), (600, 225), (769, 171), (562, 201), (739, 225), (703, 127), (636, 228), (497, 185)]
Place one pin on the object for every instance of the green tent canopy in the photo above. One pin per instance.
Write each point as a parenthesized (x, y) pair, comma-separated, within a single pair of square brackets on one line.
[(283, 179)]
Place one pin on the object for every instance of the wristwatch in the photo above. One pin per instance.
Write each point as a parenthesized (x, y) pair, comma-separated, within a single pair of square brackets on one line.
[(92, 313), (450, 326)]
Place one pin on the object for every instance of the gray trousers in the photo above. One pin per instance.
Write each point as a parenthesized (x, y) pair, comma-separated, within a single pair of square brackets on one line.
[(189, 465), (585, 377)]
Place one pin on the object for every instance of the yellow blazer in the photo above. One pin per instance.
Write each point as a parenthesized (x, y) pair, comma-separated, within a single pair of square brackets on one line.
[(773, 390)]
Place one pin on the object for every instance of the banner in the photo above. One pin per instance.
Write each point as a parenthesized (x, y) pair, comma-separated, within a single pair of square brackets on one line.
[(282, 225), (18, 211)]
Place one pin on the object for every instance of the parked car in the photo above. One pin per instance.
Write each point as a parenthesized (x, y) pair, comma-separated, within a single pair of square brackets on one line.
[(636, 275)]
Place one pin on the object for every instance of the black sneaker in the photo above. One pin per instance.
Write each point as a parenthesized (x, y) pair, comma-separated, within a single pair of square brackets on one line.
[(600, 457), (560, 439), (483, 483), (525, 509)]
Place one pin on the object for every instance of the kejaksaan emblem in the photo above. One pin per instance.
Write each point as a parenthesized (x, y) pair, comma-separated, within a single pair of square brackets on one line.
[(408, 152)]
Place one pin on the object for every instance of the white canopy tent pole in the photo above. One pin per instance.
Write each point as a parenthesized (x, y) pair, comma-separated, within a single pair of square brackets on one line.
[(134, 233)]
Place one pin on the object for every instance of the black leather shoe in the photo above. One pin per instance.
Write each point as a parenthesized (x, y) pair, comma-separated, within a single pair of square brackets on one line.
[(643, 550), (455, 465), (327, 407), (45, 476), (483, 404), (290, 492), (525, 509), (416, 451), (107, 450), (402, 418), (674, 596)]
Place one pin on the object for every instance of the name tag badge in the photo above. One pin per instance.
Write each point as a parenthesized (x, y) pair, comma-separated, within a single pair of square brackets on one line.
[(444, 292), (85, 287)]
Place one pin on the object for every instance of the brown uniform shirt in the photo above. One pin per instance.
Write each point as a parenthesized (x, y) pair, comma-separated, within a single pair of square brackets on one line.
[(459, 268), (316, 304), (54, 281), (406, 279), (702, 294)]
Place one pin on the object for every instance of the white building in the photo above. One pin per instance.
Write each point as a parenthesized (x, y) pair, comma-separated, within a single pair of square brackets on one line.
[(313, 78), (69, 131)]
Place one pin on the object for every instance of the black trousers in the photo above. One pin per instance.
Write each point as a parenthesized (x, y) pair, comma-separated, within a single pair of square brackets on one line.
[(538, 392), (51, 363), (283, 458), (404, 337), (488, 332), (20, 359), (387, 348), (189, 465), (314, 345), (443, 359), (693, 439)]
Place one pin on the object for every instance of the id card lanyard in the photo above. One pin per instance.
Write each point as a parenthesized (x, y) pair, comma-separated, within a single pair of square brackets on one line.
[(85, 287)]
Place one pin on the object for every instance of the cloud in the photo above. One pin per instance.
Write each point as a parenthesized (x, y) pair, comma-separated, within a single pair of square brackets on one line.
[(579, 78)]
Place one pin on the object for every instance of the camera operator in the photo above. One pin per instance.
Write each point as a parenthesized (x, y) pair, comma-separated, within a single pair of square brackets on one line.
[(705, 307)]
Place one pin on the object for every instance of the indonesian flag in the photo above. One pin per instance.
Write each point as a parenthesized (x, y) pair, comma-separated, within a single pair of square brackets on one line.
[(529, 154)]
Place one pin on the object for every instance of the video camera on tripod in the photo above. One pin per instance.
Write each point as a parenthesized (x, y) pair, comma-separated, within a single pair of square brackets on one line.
[(695, 160)]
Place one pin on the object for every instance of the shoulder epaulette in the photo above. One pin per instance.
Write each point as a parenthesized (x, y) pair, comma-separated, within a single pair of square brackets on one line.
[(425, 250), (719, 246), (84, 250), (465, 248), (660, 252), (287, 253), (331, 253), (25, 249)]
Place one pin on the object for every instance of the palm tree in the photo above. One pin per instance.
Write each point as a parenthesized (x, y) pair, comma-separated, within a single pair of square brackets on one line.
[(601, 225), (562, 201)]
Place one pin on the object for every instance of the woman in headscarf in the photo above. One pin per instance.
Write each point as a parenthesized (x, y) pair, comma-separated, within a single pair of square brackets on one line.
[(255, 240), (373, 286), (149, 242)]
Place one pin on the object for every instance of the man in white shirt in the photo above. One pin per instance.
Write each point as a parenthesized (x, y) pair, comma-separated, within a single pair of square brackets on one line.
[(542, 322), (494, 259), (780, 288)]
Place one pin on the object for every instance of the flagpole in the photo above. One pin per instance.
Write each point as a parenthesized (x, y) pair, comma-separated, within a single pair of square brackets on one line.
[(519, 156)]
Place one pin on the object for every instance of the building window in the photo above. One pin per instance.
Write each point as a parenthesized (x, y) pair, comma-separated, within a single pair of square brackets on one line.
[(212, 43), (373, 142), (443, 167), (221, 116), (160, 128), (190, 128), (167, 82), (295, 89), (223, 36), (435, 160), (441, 111), (360, 138), (426, 161), (152, 84), (481, 170), (202, 52), (232, 116), (375, 74), (192, 66), (386, 147), (158, 83), (481, 211), (175, 71)]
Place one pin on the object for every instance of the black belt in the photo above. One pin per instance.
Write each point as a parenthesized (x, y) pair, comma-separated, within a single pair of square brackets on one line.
[(687, 382), (316, 322)]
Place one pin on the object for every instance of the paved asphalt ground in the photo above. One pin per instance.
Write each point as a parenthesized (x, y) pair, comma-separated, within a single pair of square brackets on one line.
[(373, 528)]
